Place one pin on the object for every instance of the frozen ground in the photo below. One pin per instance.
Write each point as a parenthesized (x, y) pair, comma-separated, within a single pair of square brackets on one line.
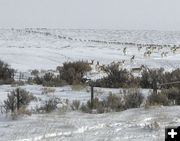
[(25, 51), (130, 125)]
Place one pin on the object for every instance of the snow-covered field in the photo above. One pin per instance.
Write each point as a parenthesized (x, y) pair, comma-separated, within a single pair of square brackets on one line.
[(26, 51), (130, 125)]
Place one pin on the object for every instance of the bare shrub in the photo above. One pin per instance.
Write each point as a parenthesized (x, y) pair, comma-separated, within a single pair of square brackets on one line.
[(21, 111), (151, 77), (17, 83), (50, 105), (101, 109), (48, 90), (158, 99), (173, 95), (73, 72), (114, 102), (147, 105), (34, 72), (117, 78), (18, 98), (75, 105), (49, 80), (84, 108), (111, 103), (6, 73), (172, 77), (133, 98), (2, 109)]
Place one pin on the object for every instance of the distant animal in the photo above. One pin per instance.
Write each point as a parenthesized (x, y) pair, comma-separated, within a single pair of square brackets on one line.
[(148, 48), (164, 54), (125, 51), (101, 69), (174, 47), (147, 53), (132, 59), (154, 48), (139, 48), (174, 51), (91, 64), (113, 63), (120, 64), (137, 70), (97, 66), (159, 48)]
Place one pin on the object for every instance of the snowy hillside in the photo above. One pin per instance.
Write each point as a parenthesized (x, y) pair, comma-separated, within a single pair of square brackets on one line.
[(27, 49)]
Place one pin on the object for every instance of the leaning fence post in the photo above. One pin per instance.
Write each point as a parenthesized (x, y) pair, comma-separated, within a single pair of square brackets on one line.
[(18, 100), (91, 84)]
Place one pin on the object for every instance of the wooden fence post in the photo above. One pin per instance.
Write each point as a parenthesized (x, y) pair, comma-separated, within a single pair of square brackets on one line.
[(92, 96)]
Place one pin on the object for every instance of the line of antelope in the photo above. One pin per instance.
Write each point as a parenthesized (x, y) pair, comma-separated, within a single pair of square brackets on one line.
[(140, 45)]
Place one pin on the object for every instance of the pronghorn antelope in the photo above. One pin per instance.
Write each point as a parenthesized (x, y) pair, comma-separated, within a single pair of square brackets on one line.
[(121, 64), (101, 69), (137, 70), (132, 59), (174, 50), (147, 53), (125, 51), (154, 48), (139, 48), (148, 48), (113, 63), (159, 48), (91, 64), (164, 54), (174, 47), (97, 66)]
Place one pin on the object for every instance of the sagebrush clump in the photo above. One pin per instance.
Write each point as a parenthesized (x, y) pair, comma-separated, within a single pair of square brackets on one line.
[(173, 94), (73, 72), (17, 99), (115, 78), (50, 105), (49, 80), (133, 98), (75, 105), (158, 99), (6, 73)]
